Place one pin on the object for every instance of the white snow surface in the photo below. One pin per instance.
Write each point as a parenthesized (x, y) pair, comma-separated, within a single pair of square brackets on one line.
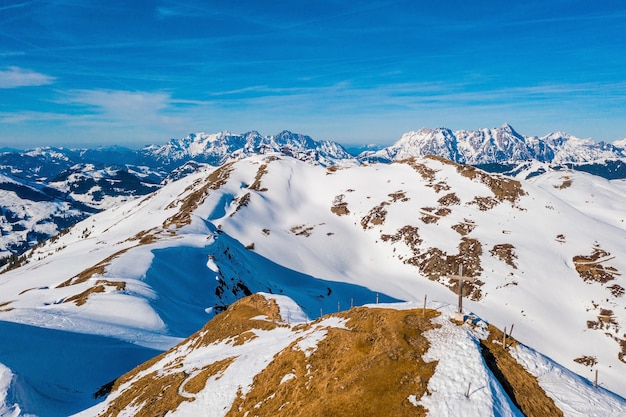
[(322, 261)]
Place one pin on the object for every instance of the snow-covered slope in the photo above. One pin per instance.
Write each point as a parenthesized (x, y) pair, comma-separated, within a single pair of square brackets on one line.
[(497, 145), (547, 255)]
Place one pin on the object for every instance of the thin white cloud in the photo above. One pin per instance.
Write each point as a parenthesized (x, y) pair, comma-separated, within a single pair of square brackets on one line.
[(14, 77)]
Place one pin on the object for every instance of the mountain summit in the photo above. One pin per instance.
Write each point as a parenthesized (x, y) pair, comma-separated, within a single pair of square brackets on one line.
[(496, 145)]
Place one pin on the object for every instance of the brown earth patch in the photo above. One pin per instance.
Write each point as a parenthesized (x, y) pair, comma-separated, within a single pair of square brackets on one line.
[(590, 267), (450, 199), (408, 234), (522, 387), (214, 181), (587, 360), (506, 253), (560, 238), (302, 230), (256, 185), (503, 188), (427, 173), (567, 182), (616, 290), (376, 216), (465, 227), (4, 306), (399, 196), (484, 203), (436, 265), (340, 207), (373, 365), (242, 201)]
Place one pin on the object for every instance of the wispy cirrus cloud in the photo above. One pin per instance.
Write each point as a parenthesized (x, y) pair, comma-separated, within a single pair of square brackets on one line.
[(14, 77)]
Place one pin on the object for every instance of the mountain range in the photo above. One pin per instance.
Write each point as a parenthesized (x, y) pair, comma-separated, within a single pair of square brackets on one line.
[(232, 288)]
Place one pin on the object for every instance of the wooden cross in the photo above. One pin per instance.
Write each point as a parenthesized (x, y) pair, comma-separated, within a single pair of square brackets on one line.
[(461, 279)]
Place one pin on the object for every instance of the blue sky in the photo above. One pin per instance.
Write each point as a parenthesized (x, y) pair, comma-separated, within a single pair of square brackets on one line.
[(85, 73)]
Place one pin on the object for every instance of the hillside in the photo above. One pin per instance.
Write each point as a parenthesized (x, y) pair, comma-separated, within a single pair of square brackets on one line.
[(145, 275), (263, 357)]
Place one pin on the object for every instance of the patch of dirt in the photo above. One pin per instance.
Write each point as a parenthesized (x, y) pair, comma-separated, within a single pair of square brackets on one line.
[(503, 188), (302, 230), (484, 203), (4, 306), (436, 265), (560, 238), (616, 290), (465, 227), (242, 201), (567, 182), (506, 253), (373, 365), (428, 174), (256, 185), (587, 360), (340, 207), (450, 199), (375, 217), (408, 234), (522, 387), (591, 268), (399, 196)]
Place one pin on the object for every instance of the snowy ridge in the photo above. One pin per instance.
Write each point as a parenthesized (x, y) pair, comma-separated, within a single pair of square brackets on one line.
[(216, 149), (152, 271), (497, 145)]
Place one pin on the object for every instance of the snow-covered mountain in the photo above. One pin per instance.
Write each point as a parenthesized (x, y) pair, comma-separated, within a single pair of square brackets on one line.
[(35, 206), (497, 145), (143, 276), (216, 149)]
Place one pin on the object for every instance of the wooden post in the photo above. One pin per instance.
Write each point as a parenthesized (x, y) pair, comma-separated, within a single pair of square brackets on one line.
[(376, 298), (595, 382), (338, 306), (424, 309), (504, 338), (461, 279)]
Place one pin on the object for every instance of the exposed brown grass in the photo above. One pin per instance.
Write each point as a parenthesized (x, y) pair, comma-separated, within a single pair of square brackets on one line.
[(503, 188), (450, 199), (484, 203), (196, 383), (427, 173), (408, 234), (567, 182), (376, 216), (587, 360), (590, 267), (368, 369), (506, 253), (399, 196), (616, 290), (339, 207), (522, 387), (4, 306), (464, 228), (256, 185), (193, 200), (302, 230)]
